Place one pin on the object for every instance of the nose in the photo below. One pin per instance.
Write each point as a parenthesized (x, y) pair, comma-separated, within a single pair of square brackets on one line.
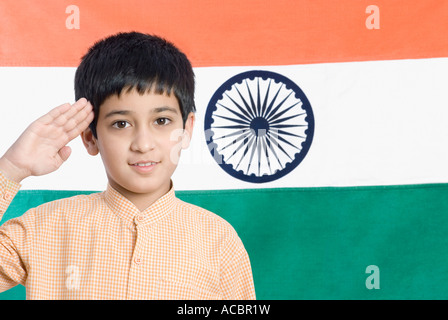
[(142, 141)]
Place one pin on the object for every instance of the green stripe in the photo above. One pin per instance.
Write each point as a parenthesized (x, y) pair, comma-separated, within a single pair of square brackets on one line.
[(316, 243)]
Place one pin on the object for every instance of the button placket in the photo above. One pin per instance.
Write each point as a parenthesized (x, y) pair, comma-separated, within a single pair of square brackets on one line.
[(139, 273), (138, 220)]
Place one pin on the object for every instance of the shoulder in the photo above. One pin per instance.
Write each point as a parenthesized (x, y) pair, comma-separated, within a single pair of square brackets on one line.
[(70, 207), (54, 215), (77, 202), (199, 214), (207, 223)]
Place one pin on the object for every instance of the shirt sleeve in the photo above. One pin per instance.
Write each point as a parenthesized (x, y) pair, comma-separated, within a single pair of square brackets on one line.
[(236, 272), (8, 190), (12, 234)]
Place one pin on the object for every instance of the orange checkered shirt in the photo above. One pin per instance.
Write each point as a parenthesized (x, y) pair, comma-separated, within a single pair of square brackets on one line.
[(100, 246)]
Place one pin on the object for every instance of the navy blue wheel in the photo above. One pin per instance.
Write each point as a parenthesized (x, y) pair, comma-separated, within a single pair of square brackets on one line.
[(259, 126)]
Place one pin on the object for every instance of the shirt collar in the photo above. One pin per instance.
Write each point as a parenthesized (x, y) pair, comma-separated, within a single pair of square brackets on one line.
[(131, 215)]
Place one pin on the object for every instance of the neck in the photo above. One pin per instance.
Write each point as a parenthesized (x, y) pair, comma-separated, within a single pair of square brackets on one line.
[(144, 199)]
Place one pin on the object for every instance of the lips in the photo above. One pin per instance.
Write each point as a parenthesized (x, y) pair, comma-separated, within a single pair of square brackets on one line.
[(144, 166)]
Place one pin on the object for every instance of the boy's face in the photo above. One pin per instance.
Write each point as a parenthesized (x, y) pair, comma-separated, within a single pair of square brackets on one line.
[(140, 138)]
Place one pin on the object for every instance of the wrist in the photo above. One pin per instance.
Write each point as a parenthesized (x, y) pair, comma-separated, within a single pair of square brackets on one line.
[(11, 171)]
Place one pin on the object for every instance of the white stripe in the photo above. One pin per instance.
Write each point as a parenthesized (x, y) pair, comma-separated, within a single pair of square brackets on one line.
[(376, 123)]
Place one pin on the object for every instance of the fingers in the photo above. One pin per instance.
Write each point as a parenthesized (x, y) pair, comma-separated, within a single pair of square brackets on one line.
[(71, 119), (82, 106), (61, 114), (59, 111), (79, 123)]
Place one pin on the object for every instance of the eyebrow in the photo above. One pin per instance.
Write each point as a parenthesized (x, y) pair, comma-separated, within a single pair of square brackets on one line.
[(163, 109), (127, 112), (115, 112)]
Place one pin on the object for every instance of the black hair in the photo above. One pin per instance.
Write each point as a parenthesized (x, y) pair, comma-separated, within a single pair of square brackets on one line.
[(138, 61)]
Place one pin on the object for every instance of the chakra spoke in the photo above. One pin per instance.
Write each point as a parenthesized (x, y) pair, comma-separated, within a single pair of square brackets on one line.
[(233, 120), (254, 147), (268, 142), (242, 144), (278, 126), (278, 115), (265, 149), (231, 127), (278, 106), (279, 146), (240, 115), (265, 101), (252, 103), (245, 103), (239, 107), (243, 136), (286, 119), (286, 141), (290, 134), (272, 102), (258, 113), (236, 133), (245, 151)]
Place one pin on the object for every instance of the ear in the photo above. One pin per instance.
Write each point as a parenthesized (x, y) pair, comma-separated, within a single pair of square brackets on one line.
[(90, 142), (188, 130)]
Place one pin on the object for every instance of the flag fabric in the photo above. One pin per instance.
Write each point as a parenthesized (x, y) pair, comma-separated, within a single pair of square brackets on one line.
[(321, 130)]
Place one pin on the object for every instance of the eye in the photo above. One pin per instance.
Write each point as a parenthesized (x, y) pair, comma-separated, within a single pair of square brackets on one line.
[(162, 121), (120, 124)]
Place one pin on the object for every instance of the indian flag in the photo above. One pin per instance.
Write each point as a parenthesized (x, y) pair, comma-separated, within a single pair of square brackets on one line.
[(321, 130)]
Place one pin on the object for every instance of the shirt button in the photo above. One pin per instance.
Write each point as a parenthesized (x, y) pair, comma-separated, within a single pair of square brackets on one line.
[(139, 218), (7, 196), (137, 260)]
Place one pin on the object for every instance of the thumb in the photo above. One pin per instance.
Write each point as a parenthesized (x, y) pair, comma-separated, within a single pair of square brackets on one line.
[(65, 152)]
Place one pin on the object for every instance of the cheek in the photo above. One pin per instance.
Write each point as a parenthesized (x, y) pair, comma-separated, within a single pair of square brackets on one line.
[(111, 149)]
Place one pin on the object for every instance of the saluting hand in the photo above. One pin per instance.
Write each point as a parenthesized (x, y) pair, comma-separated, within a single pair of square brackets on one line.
[(42, 147)]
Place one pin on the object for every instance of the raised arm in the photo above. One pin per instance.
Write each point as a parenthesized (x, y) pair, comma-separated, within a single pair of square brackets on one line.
[(42, 147)]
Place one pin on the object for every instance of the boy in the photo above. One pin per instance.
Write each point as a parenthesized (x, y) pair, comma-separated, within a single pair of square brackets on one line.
[(136, 240)]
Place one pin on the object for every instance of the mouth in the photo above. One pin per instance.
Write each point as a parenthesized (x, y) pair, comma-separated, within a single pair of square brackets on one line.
[(144, 166)]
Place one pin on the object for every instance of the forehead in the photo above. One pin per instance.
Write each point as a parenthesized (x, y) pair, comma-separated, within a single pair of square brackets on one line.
[(147, 102)]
